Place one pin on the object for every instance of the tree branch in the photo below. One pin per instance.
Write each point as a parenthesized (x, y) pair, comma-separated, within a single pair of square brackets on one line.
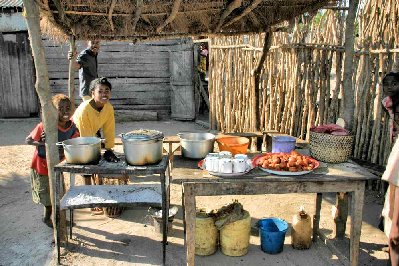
[(246, 11), (111, 10), (233, 5), (137, 14), (172, 16)]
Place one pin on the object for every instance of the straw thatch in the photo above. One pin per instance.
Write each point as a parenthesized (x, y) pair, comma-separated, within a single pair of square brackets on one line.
[(160, 19)]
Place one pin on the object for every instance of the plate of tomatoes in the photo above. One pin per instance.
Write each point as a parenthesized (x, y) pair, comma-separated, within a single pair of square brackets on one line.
[(292, 163)]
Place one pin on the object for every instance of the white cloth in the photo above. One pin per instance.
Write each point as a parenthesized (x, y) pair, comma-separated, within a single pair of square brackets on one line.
[(391, 175)]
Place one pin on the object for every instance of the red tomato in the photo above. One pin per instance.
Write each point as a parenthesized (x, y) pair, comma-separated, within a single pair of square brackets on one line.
[(299, 161)]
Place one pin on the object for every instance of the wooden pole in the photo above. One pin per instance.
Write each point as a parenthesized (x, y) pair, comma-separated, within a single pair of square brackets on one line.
[(49, 113), (266, 47), (348, 105), (347, 109), (71, 73)]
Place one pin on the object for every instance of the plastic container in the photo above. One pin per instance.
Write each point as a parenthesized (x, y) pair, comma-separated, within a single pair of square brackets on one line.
[(234, 237), (206, 235), (283, 144), (233, 144), (301, 233), (272, 234)]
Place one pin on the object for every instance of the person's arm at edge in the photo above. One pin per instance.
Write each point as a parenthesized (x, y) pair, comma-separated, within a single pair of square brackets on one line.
[(34, 138), (75, 63)]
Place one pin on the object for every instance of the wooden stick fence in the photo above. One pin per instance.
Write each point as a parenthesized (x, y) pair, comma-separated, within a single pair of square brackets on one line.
[(301, 82)]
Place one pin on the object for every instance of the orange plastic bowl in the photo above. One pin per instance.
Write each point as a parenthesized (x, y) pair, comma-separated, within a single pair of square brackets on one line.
[(235, 145)]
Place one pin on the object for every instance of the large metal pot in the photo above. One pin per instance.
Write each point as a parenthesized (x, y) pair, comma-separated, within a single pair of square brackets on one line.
[(82, 150), (142, 146), (196, 145)]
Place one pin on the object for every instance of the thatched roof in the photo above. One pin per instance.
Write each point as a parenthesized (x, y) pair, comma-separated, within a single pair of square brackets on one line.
[(159, 19)]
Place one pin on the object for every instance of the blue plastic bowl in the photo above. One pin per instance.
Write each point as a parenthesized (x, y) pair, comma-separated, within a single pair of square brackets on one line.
[(283, 144)]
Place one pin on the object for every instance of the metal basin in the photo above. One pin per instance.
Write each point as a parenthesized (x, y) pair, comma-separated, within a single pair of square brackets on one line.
[(82, 150), (196, 145)]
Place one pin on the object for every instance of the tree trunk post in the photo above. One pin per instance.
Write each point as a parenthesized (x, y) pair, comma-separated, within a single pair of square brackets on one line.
[(49, 113), (348, 104), (341, 215), (257, 82), (71, 73), (347, 109)]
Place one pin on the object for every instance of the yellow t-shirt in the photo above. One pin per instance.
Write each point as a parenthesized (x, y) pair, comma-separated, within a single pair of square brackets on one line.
[(89, 121)]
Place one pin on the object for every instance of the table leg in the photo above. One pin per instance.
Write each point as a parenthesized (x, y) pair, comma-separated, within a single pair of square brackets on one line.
[(189, 222), (341, 215), (57, 213), (170, 153), (316, 217), (356, 223), (165, 214), (70, 222)]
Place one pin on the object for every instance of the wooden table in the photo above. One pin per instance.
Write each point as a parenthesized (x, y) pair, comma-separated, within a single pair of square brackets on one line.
[(129, 195), (346, 177)]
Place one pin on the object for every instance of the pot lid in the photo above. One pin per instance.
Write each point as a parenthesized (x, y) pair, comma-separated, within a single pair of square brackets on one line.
[(143, 134)]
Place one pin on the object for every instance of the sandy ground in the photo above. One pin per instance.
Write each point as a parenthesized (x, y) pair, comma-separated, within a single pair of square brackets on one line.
[(131, 238)]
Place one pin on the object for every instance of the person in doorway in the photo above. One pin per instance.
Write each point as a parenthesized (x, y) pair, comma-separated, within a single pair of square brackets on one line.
[(39, 171), (95, 114), (86, 62)]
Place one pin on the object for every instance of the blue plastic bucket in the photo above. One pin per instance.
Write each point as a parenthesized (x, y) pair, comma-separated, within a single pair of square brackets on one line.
[(283, 144), (272, 234)]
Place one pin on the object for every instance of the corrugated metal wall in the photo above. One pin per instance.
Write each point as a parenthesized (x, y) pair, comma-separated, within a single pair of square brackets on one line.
[(17, 92)]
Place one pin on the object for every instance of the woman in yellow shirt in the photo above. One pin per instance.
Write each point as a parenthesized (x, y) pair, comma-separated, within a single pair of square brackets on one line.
[(96, 114)]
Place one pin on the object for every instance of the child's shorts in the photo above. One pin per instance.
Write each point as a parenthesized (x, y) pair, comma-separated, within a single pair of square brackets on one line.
[(40, 188)]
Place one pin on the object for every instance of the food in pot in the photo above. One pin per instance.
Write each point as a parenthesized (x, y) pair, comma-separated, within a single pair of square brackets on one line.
[(292, 162)]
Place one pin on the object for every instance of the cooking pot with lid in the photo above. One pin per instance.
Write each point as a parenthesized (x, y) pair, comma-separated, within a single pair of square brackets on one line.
[(142, 146), (82, 150)]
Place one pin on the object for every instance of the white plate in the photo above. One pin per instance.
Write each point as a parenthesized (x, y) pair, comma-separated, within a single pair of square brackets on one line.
[(284, 172), (249, 168)]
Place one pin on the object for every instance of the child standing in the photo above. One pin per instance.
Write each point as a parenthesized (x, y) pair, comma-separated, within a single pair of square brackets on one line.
[(39, 171), (390, 102)]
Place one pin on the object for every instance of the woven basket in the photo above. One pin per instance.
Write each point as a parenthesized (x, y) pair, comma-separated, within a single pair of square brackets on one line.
[(330, 148)]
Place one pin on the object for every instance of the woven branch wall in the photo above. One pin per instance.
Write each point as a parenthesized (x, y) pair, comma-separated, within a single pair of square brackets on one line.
[(301, 79)]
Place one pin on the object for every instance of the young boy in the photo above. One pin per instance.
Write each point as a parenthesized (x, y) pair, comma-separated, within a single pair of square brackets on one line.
[(39, 172)]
